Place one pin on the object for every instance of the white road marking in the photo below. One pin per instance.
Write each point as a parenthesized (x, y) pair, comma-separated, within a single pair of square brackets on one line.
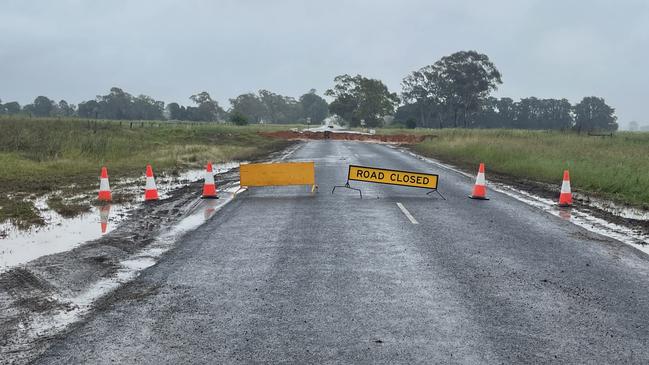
[(407, 214)]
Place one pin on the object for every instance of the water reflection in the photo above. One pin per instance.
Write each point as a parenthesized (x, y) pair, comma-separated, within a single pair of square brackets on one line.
[(565, 213), (210, 208), (104, 212)]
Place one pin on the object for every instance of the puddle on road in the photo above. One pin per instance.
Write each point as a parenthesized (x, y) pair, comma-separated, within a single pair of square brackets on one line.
[(63, 234)]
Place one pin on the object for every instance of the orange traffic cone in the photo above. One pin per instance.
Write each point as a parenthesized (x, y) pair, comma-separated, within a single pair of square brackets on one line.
[(104, 187), (209, 188), (150, 191), (480, 187), (565, 199), (104, 211)]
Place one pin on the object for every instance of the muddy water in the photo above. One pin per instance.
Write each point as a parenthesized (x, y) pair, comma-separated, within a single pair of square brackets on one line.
[(616, 209), (167, 183), (62, 234)]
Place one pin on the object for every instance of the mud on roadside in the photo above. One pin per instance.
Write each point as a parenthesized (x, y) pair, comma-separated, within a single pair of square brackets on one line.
[(581, 201), (42, 287)]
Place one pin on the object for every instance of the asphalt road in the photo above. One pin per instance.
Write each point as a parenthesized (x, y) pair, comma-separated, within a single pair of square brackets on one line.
[(280, 275)]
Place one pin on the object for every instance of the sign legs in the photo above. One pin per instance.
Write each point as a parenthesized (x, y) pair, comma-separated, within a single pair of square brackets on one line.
[(436, 191), (346, 186)]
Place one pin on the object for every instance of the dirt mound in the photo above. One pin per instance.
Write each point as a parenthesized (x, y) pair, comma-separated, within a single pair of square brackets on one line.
[(384, 138)]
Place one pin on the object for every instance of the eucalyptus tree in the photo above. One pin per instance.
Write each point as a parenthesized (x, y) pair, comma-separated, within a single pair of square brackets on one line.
[(454, 87), (359, 98)]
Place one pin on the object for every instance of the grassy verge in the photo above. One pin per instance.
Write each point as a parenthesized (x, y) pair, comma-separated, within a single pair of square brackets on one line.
[(41, 156), (616, 168)]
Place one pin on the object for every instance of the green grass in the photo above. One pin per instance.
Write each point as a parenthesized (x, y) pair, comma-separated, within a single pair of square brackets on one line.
[(615, 168), (39, 156), (20, 212), (69, 208)]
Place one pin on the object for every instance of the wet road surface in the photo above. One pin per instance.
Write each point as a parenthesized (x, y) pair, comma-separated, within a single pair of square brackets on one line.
[(280, 275)]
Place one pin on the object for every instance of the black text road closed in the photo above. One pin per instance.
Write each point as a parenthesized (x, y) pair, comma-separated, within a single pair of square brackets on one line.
[(392, 177)]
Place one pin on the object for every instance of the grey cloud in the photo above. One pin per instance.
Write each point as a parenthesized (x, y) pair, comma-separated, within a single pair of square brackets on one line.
[(74, 50)]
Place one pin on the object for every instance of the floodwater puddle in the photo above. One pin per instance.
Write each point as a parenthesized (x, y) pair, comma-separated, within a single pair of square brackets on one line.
[(129, 269), (63, 234), (618, 210), (167, 183), (60, 234)]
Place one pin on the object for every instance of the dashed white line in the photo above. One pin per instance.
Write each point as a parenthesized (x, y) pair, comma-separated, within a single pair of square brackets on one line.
[(407, 214)]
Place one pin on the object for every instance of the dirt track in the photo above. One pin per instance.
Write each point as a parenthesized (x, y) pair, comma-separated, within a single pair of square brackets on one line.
[(385, 138)]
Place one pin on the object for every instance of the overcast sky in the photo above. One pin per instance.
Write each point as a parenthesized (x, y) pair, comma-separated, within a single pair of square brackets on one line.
[(74, 50)]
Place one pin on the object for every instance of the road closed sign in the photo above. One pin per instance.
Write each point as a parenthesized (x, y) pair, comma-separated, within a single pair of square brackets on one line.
[(392, 177)]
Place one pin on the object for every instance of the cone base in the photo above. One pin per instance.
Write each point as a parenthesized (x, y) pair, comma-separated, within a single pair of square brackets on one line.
[(151, 195), (564, 205), (209, 197), (478, 197), (209, 191), (104, 198), (565, 200)]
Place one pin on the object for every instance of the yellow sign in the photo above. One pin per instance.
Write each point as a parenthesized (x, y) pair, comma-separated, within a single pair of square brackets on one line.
[(277, 174), (392, 177)]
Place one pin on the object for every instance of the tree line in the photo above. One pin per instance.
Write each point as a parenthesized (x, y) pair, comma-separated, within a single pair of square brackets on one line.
[(261, 107), (591, 113), (453, 92)]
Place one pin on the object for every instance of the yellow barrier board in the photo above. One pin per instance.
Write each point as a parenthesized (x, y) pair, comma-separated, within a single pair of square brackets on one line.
[(277, 174), (392, 177)]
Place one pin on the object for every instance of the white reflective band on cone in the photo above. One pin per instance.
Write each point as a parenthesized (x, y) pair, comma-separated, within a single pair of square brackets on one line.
[(103, 184), (480, 180), (150, 183), (209, 178), (565, 186)]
